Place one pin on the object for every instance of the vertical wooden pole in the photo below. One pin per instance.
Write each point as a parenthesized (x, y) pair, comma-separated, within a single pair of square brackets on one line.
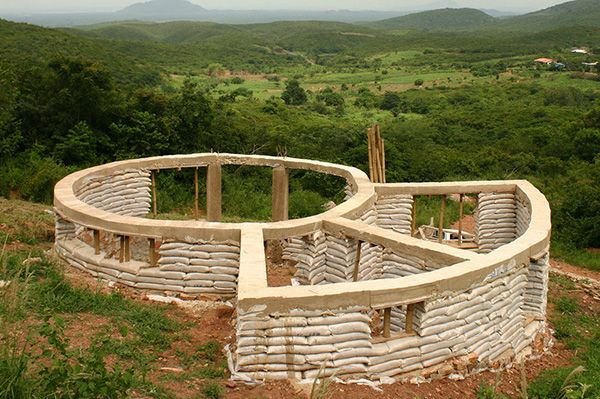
[(154, 201), (460, 219), (442, 216), (376, 156), (357, 261), (196, 195), (152, 251), (213, 193), (280, 194), (383, 160), (387, 322), (413, 226), (410, 316), (121, 249), (127, 249), (97, 242)]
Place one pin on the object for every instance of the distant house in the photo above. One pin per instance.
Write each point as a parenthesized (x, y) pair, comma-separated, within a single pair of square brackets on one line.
[(546, 61), (579, 51)]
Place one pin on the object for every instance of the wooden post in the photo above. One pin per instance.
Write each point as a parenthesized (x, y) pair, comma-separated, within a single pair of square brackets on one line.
[(121, 249), (152, 251), (413, 226), (97, 242), (383, 160), (460, 219), (376, 156), (387, 322), (196, 195), (213, 193), (154, 201), (371, 158), (127, 249), (280, 194), (442, 215), (357, 261), (410, 316)]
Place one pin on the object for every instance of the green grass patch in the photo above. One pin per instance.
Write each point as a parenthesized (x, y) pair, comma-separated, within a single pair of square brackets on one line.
[(576, 256)]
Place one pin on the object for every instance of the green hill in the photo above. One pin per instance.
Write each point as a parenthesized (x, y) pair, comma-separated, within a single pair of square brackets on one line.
[(573, 13), (448, 19), (162, 9)]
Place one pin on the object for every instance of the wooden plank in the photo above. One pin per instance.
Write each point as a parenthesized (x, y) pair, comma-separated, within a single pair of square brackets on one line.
[(196, 195), (121, 249), (97, 242), (442, 216), (410, 316), (383, 159), (154, 201), (371, 169), (387, 322), (357, 261), (152, 252), (460, 219), (280, 194), (127, 249), (413, 227), (213, 193)]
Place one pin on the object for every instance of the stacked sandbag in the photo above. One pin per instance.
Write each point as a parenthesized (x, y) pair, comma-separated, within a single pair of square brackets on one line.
[(348, 192), (396, 265), (340, 259), (190, 268), (202, 267), (296, 344), (311, 264), (536, 294), (496, 217), (293, 247), (369, 217), (486, 321), (395, 213), (370, 267), (127, 192), (63, 229), (523, 216)]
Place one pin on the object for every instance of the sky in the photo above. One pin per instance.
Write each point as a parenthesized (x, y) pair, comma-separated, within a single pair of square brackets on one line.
[(388, 5)]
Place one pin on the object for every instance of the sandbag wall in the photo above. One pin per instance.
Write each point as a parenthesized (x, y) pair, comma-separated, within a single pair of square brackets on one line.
[(536, 294), (297, 343), (523, 215), (63, 229), (126, 192), (395, 213), (199, 267), (496, 220)]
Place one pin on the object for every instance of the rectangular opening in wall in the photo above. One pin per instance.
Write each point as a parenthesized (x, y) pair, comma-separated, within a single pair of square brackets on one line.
[(176, 194), (447, 219), (393, 322), (282, 261), (246, 193)]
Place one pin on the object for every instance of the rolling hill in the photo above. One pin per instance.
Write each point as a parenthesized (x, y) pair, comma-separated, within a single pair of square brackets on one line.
[(448, 19), (573, 13)]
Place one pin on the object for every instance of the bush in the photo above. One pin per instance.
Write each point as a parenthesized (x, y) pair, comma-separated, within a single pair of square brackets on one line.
[(419, 82)]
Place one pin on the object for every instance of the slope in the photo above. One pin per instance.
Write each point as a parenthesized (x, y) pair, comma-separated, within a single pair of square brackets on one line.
[(449, 19)]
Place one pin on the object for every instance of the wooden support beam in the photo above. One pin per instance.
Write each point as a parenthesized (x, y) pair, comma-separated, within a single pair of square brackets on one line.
[(97, 242), (152, 255), (280, 194), (387, 322), (410, 316), (442, 216), (196, 195), (413, 222), (213, 193), (371, 157), (460, 219), (127, 249), (357, 261), (154, 200), (121, 249), (383, 160)]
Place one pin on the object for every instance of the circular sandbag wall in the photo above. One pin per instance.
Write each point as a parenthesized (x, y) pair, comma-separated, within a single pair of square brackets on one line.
[(373, 301)]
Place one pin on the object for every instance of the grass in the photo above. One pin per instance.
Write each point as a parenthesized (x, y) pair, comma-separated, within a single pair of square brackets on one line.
[(576, 256)]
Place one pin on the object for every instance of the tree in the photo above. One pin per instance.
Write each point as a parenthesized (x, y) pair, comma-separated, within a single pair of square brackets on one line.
[(331, 98), (294, 94)]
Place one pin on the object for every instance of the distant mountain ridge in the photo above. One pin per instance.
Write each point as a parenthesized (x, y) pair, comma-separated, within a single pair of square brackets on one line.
[(162, 9), (447, 19), (572, 13)]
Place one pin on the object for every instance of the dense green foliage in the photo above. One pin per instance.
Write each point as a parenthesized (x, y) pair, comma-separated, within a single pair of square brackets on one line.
[(448, 19)]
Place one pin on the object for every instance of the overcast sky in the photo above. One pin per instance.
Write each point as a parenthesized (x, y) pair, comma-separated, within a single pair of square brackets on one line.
[(113, 5)]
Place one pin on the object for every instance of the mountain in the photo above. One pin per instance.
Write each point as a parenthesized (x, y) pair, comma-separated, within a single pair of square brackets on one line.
[(573, 13), (448, 19), (161, 10)]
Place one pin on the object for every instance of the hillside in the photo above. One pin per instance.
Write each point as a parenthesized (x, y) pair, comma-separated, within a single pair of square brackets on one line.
[(161, 10), (573, 13), (449, 19), (28, 45)]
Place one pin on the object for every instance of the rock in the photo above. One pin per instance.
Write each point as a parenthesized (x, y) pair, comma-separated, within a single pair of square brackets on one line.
[(230, 384), (4, 284)]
